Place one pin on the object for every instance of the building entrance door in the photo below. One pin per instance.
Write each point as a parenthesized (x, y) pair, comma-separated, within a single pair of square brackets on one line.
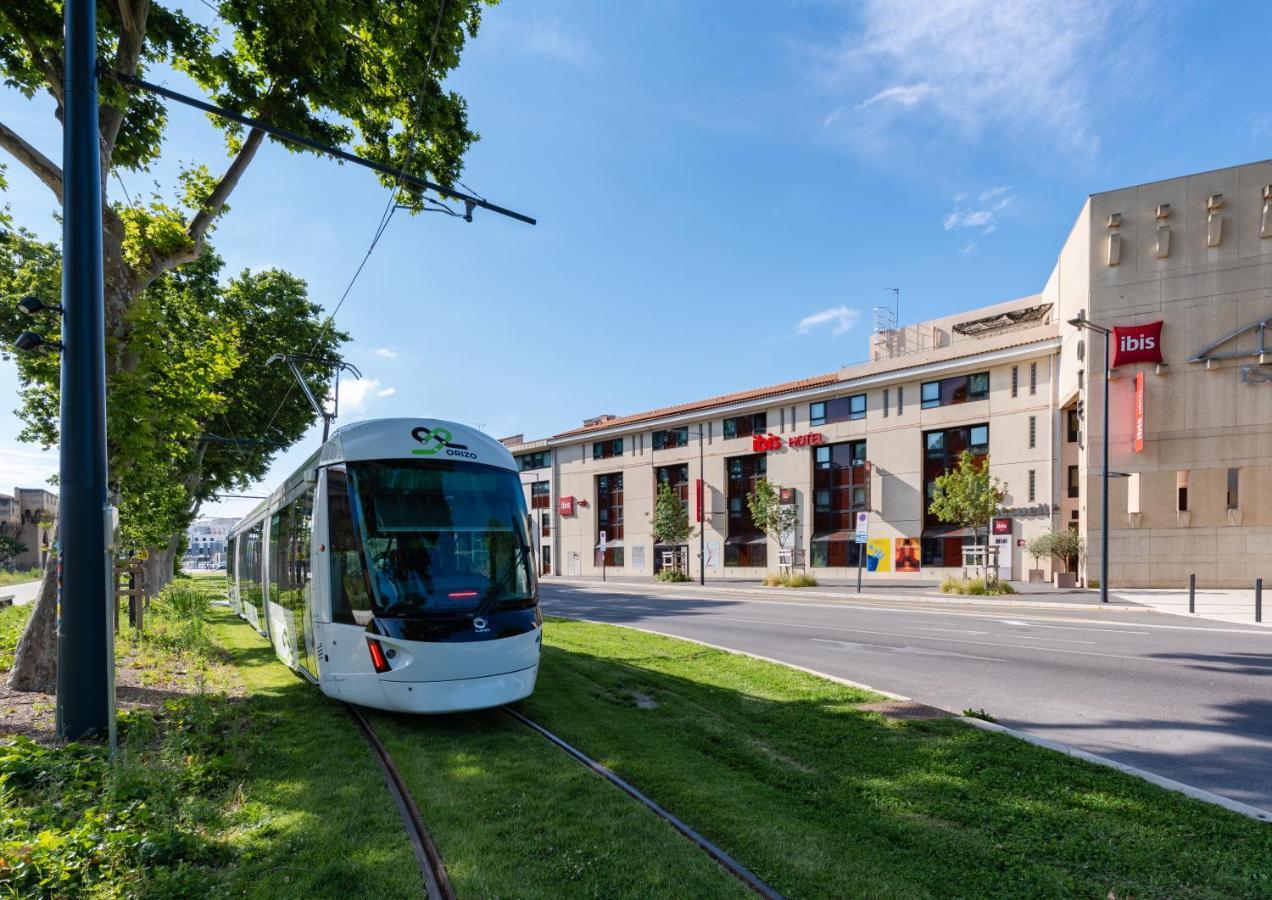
[(547, 560)]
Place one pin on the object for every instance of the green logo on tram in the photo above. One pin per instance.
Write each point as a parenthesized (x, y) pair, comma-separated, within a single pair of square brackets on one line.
[(434, 441)]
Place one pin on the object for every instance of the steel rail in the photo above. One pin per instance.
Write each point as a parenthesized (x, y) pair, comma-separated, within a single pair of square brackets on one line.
[(727, 862), (436, 882)]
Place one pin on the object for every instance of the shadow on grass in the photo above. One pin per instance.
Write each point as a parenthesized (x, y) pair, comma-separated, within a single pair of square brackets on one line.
[(821, 799)]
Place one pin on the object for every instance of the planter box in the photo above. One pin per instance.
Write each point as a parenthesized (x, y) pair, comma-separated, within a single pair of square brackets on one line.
[(1066, 580), (1037, 576)]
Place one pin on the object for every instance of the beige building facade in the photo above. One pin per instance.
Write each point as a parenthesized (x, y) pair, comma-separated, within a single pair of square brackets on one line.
[(1013, 382)]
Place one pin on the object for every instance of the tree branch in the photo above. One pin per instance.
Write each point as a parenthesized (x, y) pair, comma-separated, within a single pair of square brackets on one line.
[(43, 167), (203, 219), (127, 53), (52, 68)]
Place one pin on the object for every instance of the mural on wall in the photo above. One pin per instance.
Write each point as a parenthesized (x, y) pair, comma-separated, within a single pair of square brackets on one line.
[(907, 554), (878, 555)]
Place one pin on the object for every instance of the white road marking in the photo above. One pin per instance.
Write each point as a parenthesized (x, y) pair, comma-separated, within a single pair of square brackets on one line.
[(1000, 645), (913, 651), (1074, 628), (995, 616)]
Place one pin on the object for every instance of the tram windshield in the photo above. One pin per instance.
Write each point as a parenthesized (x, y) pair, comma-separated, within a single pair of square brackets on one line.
[(439, 535)]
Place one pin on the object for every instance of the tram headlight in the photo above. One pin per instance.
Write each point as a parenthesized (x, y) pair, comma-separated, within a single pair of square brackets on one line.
[(378, 660)]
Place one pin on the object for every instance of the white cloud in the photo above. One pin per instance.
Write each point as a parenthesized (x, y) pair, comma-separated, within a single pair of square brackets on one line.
[(542, 37), (1025, 68), (386, 353), (356, 394), (969, 247), (22, 465), (905, 95), (980, 211), (843, 318)]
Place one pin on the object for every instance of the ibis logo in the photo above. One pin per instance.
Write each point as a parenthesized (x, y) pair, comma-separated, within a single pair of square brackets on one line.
[(1137, 344)]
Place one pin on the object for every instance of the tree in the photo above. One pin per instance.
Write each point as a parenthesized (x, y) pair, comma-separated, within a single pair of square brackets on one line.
[(365, 76), (1040, 547), (670, 524), (1067, 546), (770, 515), (968, 495), (10, 547)]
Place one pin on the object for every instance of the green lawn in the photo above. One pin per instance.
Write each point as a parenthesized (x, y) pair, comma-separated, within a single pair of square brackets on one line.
[(12, 621), (8, 577), (822, 800)]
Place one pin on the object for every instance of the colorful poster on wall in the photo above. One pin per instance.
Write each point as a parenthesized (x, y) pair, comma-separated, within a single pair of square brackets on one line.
[(879, 555), (907, 554)]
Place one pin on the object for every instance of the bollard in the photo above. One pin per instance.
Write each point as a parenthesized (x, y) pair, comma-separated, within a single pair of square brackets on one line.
[(1192, 593), (1258, 599)]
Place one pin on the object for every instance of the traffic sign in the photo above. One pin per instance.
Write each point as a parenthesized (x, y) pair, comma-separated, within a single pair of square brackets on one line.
[(862, 521)]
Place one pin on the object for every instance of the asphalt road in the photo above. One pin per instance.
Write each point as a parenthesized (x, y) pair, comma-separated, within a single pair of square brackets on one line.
[(1185, 698), (22, 593)]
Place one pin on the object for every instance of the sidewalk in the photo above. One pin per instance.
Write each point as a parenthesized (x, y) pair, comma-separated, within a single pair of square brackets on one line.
[(1221, 605)]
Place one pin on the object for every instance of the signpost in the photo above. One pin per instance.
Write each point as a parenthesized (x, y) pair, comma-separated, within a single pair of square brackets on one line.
[(601, 544), (863, 526)]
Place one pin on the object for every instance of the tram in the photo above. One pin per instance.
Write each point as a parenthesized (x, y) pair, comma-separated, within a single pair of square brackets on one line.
[(394, 569)]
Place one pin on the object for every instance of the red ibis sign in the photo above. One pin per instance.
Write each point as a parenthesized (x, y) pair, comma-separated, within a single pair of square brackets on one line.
[(1137, 344), (763, 443), (565, 506), (1139, 411)]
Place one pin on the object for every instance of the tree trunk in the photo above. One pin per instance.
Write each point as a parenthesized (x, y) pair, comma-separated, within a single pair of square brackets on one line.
[(159, 566), (35, 665)]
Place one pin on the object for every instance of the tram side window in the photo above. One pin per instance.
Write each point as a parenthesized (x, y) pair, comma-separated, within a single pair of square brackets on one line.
[(276, 555), (350, 596), (294, 552), (250, 580)]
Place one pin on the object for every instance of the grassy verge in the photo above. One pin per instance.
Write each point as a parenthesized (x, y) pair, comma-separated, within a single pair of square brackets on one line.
[(12, 620), (822, 799), (21, 576), (272, 794)]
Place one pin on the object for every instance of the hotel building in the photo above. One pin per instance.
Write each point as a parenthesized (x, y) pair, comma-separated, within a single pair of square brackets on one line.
[(1182, 269)]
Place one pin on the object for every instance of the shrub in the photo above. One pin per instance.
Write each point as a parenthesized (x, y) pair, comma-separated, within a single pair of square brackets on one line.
[(672, 575), (790, 581), (978, 587), (979, 714), (177, 616)]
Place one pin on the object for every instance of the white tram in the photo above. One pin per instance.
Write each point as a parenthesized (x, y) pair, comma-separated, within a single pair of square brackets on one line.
[(394, 569)]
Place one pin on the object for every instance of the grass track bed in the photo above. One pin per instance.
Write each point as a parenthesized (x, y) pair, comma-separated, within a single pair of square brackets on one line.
[(820, 799)]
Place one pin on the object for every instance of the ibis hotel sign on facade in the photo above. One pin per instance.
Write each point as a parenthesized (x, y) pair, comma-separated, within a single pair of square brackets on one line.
[(766, 443), (1137, 344)]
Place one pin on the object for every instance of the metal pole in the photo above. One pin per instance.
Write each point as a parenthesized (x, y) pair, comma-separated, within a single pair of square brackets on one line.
[(1192, 593), (85, 681), (861, 558), (1104, 486), (702, 514), (1258, 599)]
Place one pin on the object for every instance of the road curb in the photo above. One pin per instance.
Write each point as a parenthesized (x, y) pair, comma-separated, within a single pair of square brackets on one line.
[(1236, 806), (681, 590)]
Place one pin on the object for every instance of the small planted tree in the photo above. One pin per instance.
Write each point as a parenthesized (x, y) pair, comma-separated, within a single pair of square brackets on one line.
[(1067, 546), (968, 495), (768, 513), (1040, 547), (670, 524)]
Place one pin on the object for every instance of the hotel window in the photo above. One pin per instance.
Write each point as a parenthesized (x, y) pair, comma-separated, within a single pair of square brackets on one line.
[(1073, 425), (1074, 482), (840, 491), (540, 460), (1033, 432), (677, 477), (539, 495), (745, 426), (900, 399), (1233, 478), (609, 517), (942, 544), (671, 438), (1033, 379), (841, 409), (607, 449), (1033, 485), (745, 544), (1015, 380), (959, 389), (1181, 490), (885, 403)]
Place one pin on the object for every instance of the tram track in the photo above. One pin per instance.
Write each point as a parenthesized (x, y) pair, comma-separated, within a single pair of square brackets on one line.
[(437, 885), (723, 859)]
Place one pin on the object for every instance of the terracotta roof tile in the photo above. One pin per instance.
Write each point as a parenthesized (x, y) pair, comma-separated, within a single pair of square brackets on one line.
[(773, 390)]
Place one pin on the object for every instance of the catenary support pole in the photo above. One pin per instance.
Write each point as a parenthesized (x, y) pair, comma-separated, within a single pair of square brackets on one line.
[(1192, 593), (1258, 599), (84, 681), (702, 514), (1104, 485)]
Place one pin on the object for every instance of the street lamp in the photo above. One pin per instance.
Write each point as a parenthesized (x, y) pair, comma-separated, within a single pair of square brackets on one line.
[(702, 513), (1083, 322)]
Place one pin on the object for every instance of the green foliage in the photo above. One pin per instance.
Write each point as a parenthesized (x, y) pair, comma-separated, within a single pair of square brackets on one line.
[(768, 513), (20, 576), (670, 524), (978, 714), (13, 620), (979, 587), (178, 617), (10, 547), (967, 495), (1040, 546), (790, 580), (672, 575), (75, 823), (1069, 547)]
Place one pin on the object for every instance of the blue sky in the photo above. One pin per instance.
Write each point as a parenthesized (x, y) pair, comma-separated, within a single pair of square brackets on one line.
[(707, 177)]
